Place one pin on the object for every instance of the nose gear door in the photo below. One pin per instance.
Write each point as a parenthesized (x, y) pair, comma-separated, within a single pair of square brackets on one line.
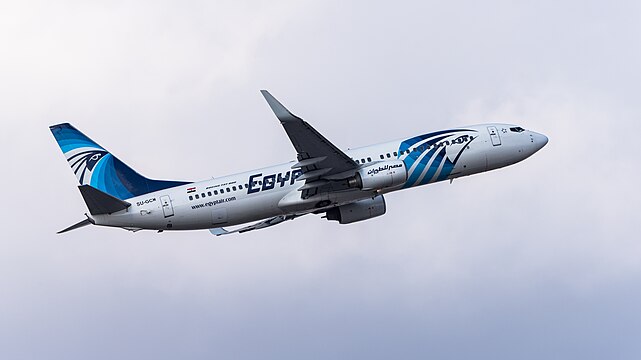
[(494, 135), (167, 208)]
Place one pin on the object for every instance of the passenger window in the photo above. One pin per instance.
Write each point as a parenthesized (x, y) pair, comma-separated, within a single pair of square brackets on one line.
[(215, 192), (197, 196), (203, 195), (208, 193), (388, 155), (382, 157), (240, 186), (233, 187), (228, 190), (395, 154), (363, 161), (222, 190), (369, 159), (191, 197)]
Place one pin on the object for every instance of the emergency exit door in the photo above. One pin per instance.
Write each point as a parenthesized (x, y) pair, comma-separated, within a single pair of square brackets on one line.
[(167, 209), (494, 135)]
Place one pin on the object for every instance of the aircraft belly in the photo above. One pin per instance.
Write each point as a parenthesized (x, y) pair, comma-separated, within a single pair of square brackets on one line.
[(244, 209), (254, 207)]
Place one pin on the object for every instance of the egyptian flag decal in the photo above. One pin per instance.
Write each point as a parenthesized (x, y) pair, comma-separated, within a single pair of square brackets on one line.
[(191, 190)]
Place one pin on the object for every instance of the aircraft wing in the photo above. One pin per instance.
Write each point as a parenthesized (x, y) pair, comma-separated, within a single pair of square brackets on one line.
[(259, 225), (318, 158)]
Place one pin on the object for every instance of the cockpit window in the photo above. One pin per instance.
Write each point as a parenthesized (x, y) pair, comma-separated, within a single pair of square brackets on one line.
[(517, 129)]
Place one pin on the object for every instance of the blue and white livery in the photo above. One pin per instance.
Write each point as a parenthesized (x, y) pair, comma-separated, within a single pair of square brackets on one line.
[(345, 186)]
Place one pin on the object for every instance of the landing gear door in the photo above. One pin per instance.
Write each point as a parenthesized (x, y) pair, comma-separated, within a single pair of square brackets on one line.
[(494, 135), (167, 208)]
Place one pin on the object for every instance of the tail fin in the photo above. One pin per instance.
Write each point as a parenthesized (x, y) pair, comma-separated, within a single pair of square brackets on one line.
[(95, 166)]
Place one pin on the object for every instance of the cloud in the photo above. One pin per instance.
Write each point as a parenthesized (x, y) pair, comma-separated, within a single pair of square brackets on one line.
[(536, 260)]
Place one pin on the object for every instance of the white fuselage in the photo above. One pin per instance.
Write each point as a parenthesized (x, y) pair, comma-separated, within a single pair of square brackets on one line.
[(273, 191)]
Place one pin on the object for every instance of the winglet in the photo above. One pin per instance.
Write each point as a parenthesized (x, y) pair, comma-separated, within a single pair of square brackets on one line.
[(279, 110)]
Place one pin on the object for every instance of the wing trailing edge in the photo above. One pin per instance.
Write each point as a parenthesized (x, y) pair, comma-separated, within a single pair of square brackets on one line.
[(259, 225)]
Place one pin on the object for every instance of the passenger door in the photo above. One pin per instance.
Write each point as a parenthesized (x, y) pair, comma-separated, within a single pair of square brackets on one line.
[(494, 135), (167, 208)]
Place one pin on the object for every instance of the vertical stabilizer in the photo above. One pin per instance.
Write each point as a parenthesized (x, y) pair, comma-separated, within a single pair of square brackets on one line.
[(95, 166)]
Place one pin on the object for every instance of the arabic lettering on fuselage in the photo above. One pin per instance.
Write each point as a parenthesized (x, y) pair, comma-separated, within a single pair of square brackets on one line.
[(383, 168)]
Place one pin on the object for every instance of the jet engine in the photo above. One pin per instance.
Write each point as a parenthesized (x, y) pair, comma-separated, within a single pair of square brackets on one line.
[(380, 175), (357, 211)]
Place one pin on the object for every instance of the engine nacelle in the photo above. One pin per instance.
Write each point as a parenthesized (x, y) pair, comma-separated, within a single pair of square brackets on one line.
[(357, 211), (381, 175)]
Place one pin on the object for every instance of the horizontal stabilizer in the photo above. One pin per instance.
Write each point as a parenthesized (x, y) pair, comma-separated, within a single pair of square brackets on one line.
[(99, 202), (84, 222)]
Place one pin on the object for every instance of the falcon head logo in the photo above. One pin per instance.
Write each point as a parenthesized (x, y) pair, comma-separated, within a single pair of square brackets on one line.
[(84, 162)]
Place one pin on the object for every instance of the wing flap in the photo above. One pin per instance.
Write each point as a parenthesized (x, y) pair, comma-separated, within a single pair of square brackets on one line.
[(314, 174), (308, 162)]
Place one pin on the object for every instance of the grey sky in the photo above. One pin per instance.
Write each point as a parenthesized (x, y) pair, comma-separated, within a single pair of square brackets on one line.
[(541, 260)]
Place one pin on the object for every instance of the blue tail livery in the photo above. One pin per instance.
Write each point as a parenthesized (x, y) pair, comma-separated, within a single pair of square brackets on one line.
[(97, 167)]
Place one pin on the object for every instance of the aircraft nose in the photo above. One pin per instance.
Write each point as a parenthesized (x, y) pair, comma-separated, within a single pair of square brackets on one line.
[(540, 140)]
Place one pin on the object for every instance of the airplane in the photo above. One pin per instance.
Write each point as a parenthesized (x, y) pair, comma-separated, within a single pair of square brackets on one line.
[(344, 186)]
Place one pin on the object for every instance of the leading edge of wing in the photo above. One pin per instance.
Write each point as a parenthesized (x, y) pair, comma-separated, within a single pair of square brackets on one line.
[(308, 142)]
